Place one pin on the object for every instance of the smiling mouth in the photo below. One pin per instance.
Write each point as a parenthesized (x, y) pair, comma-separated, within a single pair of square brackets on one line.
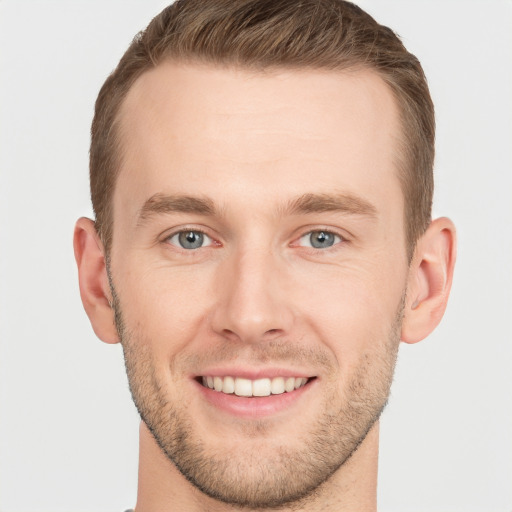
[(253, 388)]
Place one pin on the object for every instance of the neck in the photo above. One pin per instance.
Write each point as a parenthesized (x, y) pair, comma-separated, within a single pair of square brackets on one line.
[(162, 488)]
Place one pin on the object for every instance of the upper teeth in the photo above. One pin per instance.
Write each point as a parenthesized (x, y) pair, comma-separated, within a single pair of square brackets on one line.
[(258, 387)]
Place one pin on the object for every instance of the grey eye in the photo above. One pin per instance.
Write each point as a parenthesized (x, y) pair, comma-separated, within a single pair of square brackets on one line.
[(190, 239), (319, 239)]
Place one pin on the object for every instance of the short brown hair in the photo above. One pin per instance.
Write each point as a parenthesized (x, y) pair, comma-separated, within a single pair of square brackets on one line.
[(258, 34)]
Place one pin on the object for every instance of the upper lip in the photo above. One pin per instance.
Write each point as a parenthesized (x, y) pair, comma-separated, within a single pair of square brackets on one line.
[(253, 373)]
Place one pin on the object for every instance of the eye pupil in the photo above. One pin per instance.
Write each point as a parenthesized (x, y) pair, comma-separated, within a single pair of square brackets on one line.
[(191, 239), (321, 239)]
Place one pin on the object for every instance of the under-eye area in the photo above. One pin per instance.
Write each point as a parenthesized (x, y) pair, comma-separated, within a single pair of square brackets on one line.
[(254, 388)]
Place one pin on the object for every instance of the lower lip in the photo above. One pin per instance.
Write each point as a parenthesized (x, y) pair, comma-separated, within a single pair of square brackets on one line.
[(253, 407)]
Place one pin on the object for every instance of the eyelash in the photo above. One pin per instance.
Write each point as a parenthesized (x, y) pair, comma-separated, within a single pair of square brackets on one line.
[(203, 232), (341, 239), (337, 238)]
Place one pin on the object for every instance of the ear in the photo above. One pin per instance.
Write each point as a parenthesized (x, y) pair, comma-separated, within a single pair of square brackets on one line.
[(430, 280), (93, 280)]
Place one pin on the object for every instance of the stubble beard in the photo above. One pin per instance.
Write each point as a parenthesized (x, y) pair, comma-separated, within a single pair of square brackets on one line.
[(258, 478)]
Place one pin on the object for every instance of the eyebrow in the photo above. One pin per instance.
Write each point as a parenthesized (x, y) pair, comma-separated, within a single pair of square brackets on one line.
[(305, 204), (162, 204), (342, 203)]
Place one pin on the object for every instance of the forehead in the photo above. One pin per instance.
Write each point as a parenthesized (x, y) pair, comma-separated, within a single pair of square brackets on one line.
[(231, 133)]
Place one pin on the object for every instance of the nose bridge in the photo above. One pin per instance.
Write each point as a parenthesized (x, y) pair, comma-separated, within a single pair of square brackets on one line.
[(251, 304)]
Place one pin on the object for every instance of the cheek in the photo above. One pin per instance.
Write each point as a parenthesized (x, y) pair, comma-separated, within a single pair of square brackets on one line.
[(354, 312), (165, 308)]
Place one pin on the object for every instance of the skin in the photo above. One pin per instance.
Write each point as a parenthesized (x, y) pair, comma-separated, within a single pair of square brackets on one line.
[(257, 297)]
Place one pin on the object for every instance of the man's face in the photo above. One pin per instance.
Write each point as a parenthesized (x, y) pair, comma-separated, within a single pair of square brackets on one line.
[(259, 248)]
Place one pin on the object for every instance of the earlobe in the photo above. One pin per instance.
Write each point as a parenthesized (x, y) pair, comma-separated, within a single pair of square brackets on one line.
[(430, 280), (93, 280)]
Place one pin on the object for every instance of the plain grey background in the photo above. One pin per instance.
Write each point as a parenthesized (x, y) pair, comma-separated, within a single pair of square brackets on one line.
[(68, 429)]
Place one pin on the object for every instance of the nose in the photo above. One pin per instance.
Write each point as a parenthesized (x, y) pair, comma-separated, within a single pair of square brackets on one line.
[(253, 298)]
